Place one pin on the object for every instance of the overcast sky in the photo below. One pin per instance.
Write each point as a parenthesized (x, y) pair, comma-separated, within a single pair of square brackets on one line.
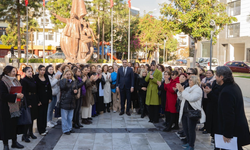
[(148, 5)]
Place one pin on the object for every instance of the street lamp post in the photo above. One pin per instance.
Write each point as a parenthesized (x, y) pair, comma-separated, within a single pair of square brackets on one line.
[(147, 51), (212, 23), (157, 53), (165, 54)]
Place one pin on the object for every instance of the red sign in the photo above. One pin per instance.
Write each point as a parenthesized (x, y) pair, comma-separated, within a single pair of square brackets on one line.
[(129, 3), (26, 2), (111, 3)]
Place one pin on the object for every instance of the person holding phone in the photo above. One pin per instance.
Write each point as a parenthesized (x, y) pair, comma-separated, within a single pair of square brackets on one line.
[(153, 101), (30, 93), (9, 107)]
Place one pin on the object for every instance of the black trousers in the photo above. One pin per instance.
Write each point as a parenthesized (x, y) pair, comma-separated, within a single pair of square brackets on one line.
[(42, 118), (142, 99), (204, 105), (28, 129), (154, 113), (76, 116), (189, 126), (171, 118), (125, 94), (13, 132)]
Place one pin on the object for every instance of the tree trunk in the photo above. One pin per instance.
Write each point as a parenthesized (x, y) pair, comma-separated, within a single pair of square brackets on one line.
[(166, 59), (31, 40), (103, 38), (195, 52), (18, 29), (98, 26)]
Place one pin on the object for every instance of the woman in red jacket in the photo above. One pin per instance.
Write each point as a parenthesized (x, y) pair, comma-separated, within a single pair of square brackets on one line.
[(170, 108)]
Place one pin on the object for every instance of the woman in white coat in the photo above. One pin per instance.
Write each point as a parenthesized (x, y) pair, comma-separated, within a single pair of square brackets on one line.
[(49, 70), (191, 100), (107, 88)]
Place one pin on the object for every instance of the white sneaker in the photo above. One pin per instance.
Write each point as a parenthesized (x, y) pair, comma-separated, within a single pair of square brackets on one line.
[(49, 124), (114, 111), (134, 110), (43, 134), (53, 122), (47, 131)]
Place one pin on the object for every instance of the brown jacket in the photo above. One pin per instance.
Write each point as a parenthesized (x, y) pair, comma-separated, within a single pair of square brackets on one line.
[(88, 99)]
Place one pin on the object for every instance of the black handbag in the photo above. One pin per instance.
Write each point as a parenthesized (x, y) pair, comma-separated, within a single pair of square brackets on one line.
[(193, 114), (25, 118)]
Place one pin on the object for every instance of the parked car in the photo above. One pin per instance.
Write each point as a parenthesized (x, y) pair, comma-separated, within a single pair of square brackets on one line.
[(205, 62), (57, 55), (181, 61), (238, 66), (23, 55)]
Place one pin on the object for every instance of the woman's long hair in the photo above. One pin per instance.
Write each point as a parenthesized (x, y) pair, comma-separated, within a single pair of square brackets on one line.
[(6, 71), (72, 74)]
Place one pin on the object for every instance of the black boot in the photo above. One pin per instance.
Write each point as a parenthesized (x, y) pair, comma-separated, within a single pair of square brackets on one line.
[(108, 107), (6, 147), (76, 126), (167, 129), (15, 144), (25, 138), (80, 125), (32, 135)]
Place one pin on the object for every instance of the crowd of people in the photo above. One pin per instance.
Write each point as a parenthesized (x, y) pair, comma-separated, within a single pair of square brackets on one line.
[(76, 93)]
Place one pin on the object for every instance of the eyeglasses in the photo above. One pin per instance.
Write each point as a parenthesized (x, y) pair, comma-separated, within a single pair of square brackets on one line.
[(189, 73)]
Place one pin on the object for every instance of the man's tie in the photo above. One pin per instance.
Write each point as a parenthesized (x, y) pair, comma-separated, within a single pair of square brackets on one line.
[(124, 71)]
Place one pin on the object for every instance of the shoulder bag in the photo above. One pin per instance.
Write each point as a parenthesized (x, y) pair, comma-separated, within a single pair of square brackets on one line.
[(193, 114), (25, 118)]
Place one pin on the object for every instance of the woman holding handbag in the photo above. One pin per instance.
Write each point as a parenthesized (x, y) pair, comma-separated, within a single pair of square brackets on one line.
[(9, 108), (30, 93), (68, 87), (190, 110)]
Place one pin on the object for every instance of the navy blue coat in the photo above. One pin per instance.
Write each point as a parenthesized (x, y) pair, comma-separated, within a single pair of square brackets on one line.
[(125, 81)]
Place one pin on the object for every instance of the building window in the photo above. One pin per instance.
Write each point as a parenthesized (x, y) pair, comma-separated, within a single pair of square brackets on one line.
[(46, 22), (234, 8), (233, 30), (49, 36), (205, 49)]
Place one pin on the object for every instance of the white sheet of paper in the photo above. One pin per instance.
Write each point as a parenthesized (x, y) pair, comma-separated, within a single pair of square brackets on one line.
[(219, 143)]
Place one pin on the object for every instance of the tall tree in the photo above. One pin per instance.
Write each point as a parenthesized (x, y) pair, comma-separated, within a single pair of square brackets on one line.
[(14, 11), (193, 18)]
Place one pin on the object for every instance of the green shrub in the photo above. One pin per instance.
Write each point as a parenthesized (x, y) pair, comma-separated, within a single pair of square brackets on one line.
[(102, 61), (39, 60)]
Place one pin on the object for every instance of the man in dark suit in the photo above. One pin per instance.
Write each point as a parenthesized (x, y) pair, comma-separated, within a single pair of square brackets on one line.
[(125, 84), (232, 121)]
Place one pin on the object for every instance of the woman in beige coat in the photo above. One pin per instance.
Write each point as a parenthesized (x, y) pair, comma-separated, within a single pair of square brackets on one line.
[(107, 87)]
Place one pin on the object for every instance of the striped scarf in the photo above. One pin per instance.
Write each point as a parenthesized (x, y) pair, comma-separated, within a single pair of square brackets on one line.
[(14, 108)]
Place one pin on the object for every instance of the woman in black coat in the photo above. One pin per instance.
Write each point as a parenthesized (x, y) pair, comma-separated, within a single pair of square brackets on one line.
[(30, 93), (134, 94), (80, 82), (8, 118), (100, 82), (44, 93), (142, 88), (212, 109)]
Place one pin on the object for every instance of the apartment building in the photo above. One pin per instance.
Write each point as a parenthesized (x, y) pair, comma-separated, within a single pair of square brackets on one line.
[(233, 42)]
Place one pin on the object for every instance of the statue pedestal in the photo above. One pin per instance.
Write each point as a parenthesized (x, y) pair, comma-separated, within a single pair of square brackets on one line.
[(15, 62)]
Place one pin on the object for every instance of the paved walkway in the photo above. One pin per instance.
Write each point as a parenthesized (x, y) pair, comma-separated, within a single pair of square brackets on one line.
[(110, 131)]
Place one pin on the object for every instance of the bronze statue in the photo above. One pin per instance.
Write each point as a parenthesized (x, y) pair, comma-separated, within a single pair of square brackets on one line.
[(76, 39)]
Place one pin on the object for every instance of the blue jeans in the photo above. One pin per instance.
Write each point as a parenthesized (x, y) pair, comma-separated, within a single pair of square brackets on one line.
[(67, 116), (51, 107)]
